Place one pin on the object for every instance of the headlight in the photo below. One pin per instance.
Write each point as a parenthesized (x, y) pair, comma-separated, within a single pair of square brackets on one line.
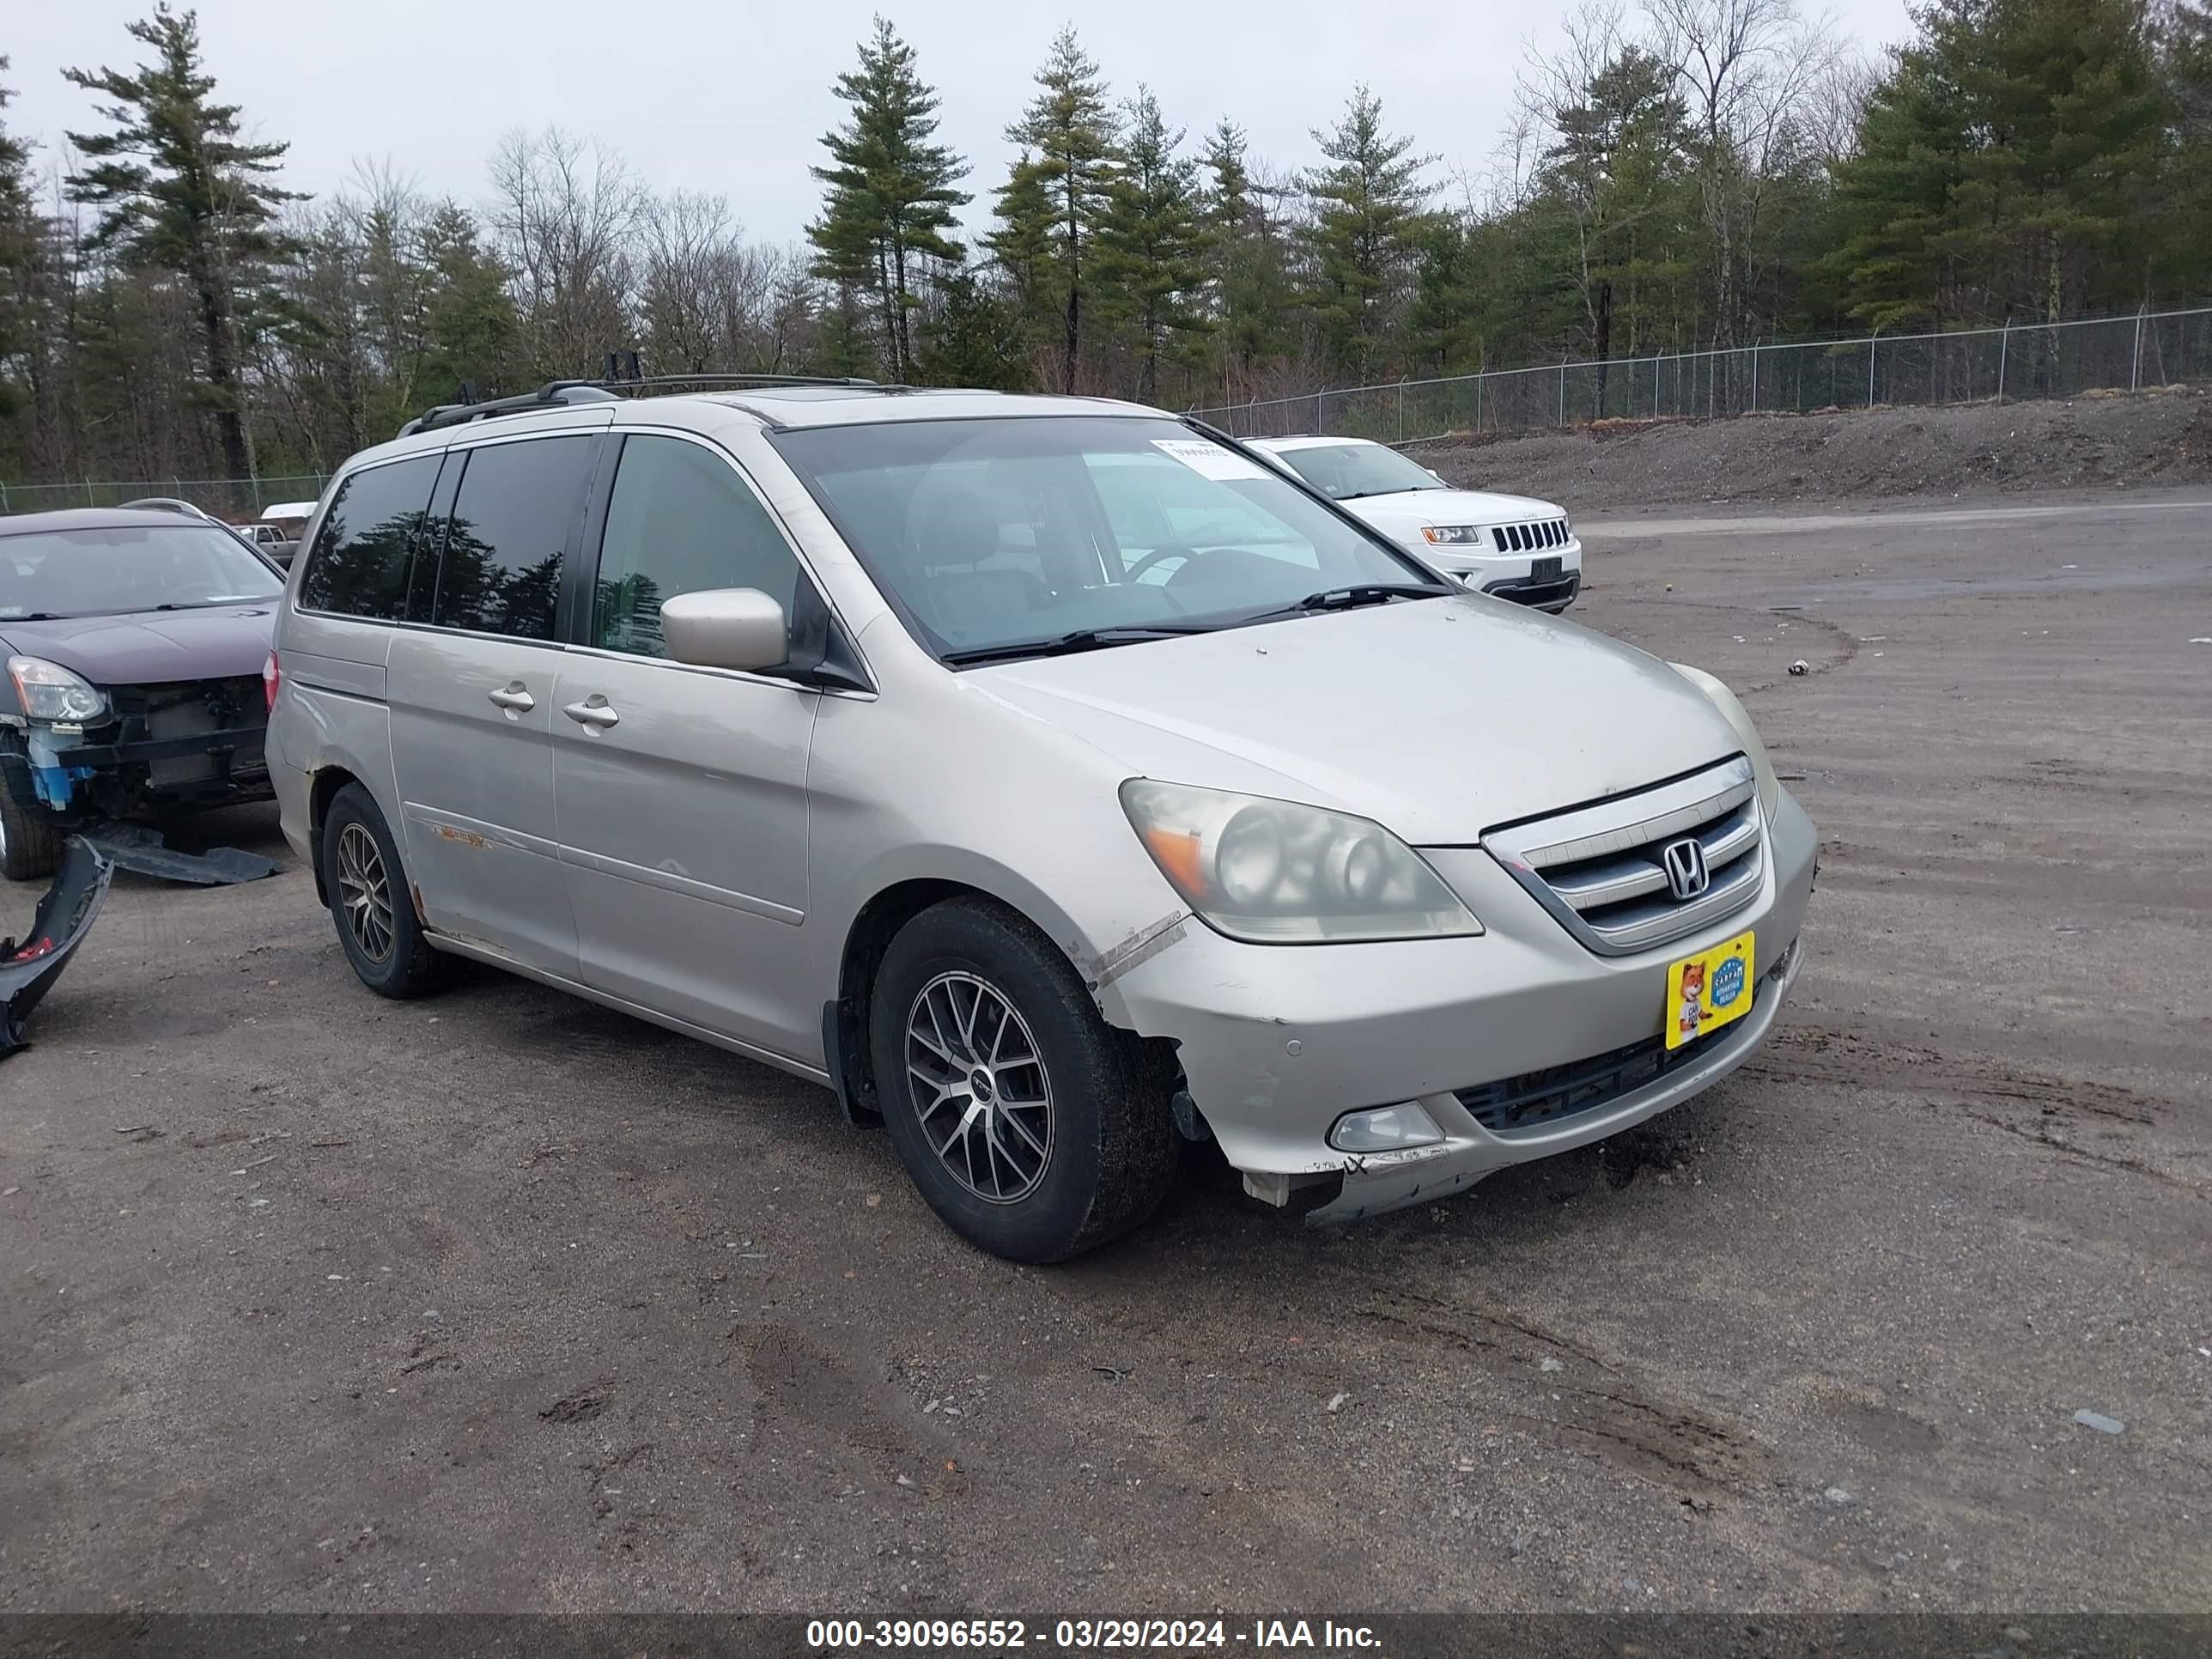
[(51, 692), (1770, 786), (1277, 873), (1453, 535)]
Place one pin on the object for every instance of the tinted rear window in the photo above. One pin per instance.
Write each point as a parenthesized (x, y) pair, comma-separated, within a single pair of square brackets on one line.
[(359, 564), (501, 572)]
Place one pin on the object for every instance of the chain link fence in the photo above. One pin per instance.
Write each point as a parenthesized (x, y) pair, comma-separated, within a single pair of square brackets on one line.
[(2018, 361), (237, 500)]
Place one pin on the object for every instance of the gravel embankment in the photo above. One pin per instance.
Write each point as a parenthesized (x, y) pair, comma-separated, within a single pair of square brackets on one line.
[(2160, 437)]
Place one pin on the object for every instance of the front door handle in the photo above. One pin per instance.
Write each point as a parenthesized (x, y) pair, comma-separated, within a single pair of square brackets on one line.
[(592, 713), (513, 696)]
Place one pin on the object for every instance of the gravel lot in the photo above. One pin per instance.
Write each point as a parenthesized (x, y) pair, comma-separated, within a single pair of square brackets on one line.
[(312, 1301)]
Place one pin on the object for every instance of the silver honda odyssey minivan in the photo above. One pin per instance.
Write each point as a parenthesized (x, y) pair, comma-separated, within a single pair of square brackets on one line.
[(1048, 777)]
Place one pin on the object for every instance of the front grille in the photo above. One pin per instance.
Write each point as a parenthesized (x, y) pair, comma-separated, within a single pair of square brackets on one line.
[(1516, 1105), (1603, 870), (1527, 537)]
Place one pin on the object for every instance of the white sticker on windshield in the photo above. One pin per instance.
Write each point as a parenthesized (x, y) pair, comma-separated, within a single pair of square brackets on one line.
[(1208, 460)]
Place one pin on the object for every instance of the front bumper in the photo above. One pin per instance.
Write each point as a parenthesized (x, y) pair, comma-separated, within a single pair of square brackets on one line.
[(1549, 579), (76, 781), (1277, 1043)]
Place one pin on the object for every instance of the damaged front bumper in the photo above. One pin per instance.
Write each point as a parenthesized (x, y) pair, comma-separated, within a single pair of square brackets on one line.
[(1517, 1044), (199, 744), (29, 967), (1380, 1181)]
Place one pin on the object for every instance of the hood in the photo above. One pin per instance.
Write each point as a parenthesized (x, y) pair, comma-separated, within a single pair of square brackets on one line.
[(1409, 510), (152, 648), (1437, 718)]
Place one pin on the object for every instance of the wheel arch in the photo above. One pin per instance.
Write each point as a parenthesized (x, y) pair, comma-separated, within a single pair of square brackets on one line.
[(897, 897), (844, 1020), (323, 785)]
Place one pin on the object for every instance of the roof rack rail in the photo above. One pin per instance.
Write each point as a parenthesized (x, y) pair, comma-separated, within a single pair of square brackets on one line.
[(552, 394), (716, 379), (555, 393)]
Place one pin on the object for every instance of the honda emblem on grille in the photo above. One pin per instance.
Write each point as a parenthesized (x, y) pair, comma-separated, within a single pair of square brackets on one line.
[(1686, 875)]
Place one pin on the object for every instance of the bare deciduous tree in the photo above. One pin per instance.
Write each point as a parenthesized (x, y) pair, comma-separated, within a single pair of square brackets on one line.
[(1745, 68), (565, 212)]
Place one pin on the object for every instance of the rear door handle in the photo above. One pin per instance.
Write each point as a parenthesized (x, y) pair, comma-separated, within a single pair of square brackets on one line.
[(594, 713), (514, 695)]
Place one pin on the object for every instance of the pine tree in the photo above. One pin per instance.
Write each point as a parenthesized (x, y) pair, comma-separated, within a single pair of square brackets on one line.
[(19, 250), (973, 337), (1896, 200), (1068, 135), (179, 192), (1022, 244), (1368, 213), (843, 346), (1442, 330), (2007, 164), (1617, 171), (1247, 289), (1150, 244), (891, 199), (2187, 60), (470, 319)]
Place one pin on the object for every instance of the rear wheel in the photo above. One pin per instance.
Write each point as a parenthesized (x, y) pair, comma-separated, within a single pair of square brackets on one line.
[(370, 900), (30, 842), (1034, 1130)]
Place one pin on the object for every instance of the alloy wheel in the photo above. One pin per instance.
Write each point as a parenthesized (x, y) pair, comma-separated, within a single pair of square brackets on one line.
[(364, 891), (979, 1087)]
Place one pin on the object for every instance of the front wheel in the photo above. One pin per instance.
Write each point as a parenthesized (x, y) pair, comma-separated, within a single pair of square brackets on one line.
[(30, 842), (1033, 1128), (370, 900)]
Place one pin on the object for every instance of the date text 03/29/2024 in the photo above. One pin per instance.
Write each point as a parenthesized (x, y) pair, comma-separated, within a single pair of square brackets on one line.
[(1010, 1635)]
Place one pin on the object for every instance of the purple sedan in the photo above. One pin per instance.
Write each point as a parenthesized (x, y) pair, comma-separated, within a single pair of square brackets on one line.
[(134, 644)]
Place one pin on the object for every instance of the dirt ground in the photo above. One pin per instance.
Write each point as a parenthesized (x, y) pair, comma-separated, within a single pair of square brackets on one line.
[(2160, 437), (312, 1301)]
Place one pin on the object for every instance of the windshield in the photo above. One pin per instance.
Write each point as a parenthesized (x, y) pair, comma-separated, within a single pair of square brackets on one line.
[(1345, 472), (993, 534), (111, 572)]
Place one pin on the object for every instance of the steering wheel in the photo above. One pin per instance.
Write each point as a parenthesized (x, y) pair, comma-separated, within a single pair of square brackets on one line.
[(1172, 550)]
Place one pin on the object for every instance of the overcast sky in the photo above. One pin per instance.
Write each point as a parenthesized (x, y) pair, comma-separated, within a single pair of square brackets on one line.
[(733, 98)]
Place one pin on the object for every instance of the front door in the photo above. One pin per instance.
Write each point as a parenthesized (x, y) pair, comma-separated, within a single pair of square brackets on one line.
[(681, 791), (472, 700)]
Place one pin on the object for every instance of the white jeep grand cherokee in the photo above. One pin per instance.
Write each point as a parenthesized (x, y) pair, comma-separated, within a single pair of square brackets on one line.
[(1511, 546)]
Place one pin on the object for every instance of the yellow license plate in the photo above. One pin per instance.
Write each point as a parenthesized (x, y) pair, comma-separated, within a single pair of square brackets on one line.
[(1706, 991)]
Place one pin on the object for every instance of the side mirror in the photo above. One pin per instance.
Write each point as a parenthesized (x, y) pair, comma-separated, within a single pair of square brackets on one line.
[(725, 627), (1438, 475)]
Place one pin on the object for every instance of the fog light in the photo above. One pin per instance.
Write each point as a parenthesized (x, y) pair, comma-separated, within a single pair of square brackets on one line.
[(1385, 1129)]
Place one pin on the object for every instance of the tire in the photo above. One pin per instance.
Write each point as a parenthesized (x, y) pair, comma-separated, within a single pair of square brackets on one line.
[(370, 900), (1108, 1141), (30, 842)]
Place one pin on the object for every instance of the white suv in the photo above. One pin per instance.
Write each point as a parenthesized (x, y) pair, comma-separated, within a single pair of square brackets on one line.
[(1512, 546)]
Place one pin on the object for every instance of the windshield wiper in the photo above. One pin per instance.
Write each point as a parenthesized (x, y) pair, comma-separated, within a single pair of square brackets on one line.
[(1359, 593), (1082, 639)]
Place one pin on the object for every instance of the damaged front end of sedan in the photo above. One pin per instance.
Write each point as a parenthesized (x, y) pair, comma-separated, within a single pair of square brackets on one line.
[(29, 966), (130, 752)]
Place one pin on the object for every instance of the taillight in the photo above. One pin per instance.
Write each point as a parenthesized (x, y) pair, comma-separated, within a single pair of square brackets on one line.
[(272, 678)]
